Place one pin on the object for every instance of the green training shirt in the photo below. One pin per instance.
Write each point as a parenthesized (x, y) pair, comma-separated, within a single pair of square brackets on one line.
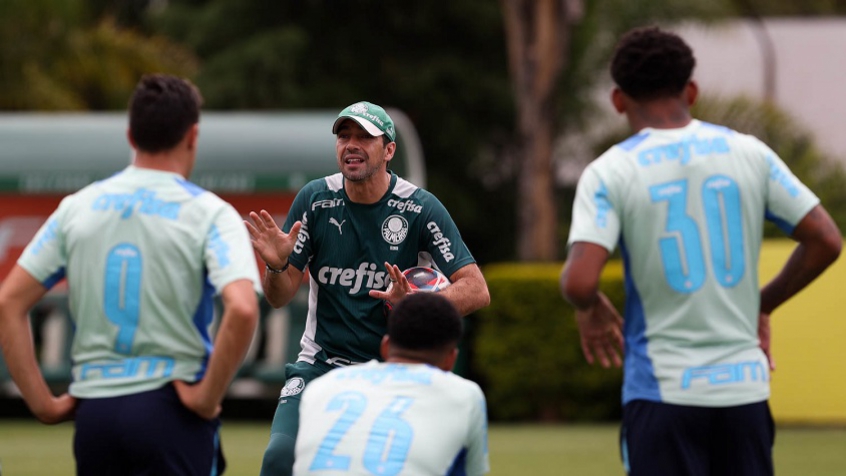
[(344, 245)]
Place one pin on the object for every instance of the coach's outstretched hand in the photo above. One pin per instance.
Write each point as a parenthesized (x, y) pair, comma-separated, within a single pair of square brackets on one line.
[(270, 242), (398, 287)]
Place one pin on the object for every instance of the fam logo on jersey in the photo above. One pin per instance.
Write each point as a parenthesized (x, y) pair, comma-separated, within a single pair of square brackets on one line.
[(292, 387), (395, 229)]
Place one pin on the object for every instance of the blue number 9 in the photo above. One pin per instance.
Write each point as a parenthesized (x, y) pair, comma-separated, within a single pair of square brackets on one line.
[(122, 293)]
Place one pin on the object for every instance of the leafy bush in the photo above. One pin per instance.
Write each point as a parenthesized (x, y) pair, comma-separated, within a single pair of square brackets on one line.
[(526, 350)]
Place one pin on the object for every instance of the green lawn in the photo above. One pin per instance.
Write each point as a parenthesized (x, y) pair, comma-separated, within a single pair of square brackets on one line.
[(30, 449)]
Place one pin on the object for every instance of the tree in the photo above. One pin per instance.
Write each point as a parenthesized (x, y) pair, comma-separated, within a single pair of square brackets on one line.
[(442, 63), (538, 33), (58, 55), (556, 49), (447, 65)]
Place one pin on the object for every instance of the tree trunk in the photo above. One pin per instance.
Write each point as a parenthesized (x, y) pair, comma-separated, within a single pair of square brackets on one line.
[(538, 36)]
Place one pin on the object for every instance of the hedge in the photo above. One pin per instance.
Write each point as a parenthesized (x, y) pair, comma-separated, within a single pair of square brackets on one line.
[(525, 350)]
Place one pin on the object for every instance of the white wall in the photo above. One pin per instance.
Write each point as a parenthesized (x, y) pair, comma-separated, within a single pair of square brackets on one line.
[(810, 70)]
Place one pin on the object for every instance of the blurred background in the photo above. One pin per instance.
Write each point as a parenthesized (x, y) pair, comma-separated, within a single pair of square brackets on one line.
[(502, 105)]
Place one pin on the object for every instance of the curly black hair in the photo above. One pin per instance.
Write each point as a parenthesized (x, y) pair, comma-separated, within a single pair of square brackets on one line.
[(424, 321), (650, 63), (161, 110)]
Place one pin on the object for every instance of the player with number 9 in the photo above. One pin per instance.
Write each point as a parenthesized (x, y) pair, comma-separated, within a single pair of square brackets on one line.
[(144, 252)]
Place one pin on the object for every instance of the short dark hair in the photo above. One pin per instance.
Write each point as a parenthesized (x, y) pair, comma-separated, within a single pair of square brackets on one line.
[(161, 110), (649, 63), (424, 321)]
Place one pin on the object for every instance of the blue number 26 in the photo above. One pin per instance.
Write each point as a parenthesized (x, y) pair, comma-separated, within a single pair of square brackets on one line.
[(681, 251), (389, 442)]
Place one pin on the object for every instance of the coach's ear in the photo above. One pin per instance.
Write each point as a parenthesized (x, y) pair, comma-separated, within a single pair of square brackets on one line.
[(383, 347)]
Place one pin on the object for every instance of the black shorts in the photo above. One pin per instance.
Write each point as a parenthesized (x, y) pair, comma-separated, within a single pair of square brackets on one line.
[(149, 433), (661, 439)]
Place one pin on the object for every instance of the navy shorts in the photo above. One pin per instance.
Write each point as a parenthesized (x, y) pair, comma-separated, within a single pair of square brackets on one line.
[(149, 433), (661, 439)]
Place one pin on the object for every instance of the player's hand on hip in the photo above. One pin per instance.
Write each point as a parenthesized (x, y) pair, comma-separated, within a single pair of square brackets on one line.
[(398, 287), (58, 409), (764, 332), (601, 330), (196, 400), (269, 241)]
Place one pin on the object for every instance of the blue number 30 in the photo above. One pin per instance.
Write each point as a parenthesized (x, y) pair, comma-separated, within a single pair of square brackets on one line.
[(682, 254)]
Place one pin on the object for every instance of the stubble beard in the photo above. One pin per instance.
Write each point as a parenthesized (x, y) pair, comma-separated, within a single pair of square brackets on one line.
[(362, 175)]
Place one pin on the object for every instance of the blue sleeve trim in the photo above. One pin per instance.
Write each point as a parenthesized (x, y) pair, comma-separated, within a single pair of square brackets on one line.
[(783, 225), (459, 464), (54, 278)]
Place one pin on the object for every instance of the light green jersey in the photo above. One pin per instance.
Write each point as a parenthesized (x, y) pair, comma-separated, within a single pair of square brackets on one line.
[(144, 253), (687, 207), (385, 418)]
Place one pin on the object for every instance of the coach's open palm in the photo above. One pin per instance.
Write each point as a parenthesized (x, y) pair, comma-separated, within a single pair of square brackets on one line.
[(398, 289), (601, 329), (270, 242)]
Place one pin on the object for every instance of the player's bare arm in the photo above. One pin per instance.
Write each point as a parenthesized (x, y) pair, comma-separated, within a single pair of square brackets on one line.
[(468, 291), (819, 246), (19, 292), (274, 246), (238, 324), (580, 278), (600, 325), (764, 337)]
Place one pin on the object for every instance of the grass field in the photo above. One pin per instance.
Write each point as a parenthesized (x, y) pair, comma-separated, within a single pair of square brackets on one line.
[(30, 449)]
